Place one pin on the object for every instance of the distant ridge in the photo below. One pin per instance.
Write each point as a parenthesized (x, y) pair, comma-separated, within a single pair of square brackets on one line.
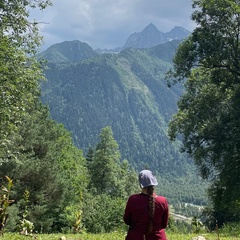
[(151, 37), (177, 33), (68, 51)]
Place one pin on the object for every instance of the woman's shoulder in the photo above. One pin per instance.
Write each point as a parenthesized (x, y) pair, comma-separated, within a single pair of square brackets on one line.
[(161, 202), (161, 199), (137, 196)]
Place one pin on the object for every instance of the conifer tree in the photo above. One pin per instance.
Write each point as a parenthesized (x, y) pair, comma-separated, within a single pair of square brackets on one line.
[(106, 164)]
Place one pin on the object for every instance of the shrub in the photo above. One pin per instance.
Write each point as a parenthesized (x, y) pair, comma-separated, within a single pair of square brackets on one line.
[(103, 213)]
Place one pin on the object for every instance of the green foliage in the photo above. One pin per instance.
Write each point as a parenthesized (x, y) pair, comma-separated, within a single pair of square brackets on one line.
[(111, 182), (19, 90), (16, 25), (47, 165), (105, 165), (103, 213), (127, 92), (196, 224), (178, 226), (230, 228), (74, 217), (208, 116), (19, 70), (5, 202), (25, 226), (171, 224)]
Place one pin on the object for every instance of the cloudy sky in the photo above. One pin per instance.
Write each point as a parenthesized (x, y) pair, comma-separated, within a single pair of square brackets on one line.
[(108, 23)]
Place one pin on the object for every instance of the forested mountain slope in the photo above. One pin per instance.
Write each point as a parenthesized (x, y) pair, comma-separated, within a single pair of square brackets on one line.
[(128, 92), (68, 51)]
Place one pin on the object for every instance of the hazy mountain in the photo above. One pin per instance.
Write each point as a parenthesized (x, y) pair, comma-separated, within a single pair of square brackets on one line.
[(68, 51), (74, 51), (151, 36), (177, 33), (128, 92), (115, 50)]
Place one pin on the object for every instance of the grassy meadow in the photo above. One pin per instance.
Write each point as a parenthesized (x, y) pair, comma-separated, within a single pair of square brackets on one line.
[(113, 236)]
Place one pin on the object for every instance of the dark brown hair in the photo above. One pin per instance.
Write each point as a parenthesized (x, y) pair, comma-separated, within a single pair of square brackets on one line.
[(151, 208)]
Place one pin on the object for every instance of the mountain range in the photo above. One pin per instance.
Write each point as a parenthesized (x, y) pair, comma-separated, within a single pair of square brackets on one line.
[(87, 90), (149, 37)]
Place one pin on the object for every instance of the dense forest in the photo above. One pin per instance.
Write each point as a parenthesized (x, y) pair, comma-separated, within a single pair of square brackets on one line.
[(52, 183), (127, 92)]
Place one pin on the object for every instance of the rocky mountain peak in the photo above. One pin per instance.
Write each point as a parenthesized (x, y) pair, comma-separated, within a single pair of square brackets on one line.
[(151, 37), (150, 28)]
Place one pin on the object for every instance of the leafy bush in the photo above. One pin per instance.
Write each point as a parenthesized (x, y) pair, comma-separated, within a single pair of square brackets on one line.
[(103, 214), (232, 229)]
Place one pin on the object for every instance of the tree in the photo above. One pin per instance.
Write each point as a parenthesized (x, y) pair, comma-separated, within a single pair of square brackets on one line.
[(19, 70), (15, 23), (35, 151), (105, 166), (111, 183), (208, 115), (51, 168)]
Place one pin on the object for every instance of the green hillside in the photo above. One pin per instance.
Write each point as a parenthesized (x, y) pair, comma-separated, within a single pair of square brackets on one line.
[(68, 51), (128, 92)]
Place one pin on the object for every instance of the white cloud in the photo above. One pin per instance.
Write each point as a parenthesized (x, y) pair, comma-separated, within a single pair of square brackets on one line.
[(108, 23)]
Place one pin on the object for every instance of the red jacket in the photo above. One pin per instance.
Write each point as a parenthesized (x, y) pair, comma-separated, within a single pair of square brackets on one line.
[(137, 217)]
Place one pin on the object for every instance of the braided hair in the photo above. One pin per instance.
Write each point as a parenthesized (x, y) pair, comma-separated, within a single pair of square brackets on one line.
[(151, 208)]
